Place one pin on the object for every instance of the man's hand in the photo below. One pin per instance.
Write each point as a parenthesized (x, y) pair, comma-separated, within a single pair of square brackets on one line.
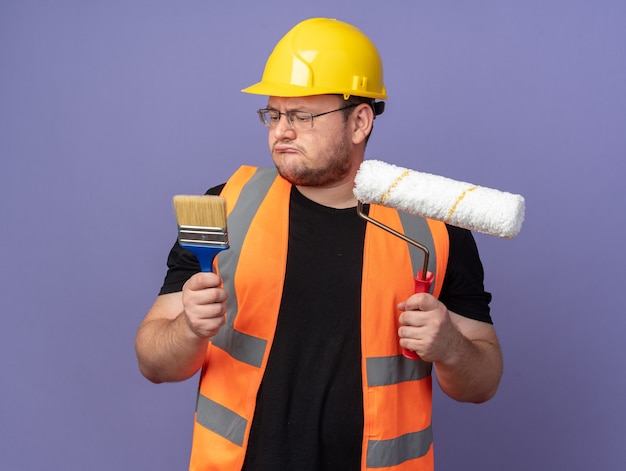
[(465, 352), (427, 328), (204, 304)]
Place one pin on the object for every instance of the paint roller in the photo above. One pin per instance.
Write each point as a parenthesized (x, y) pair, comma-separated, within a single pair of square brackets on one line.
[(457, 203)]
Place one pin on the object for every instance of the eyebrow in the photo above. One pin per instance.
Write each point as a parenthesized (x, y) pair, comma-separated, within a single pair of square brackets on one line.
[(271, 108)]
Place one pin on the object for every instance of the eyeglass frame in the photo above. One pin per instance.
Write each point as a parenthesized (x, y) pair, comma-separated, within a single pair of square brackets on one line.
[(261, 113)]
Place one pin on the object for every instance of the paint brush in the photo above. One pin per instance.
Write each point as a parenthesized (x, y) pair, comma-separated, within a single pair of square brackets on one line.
[(202, 226)]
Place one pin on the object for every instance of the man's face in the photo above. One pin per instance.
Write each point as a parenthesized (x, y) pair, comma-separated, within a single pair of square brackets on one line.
[(318, 156)]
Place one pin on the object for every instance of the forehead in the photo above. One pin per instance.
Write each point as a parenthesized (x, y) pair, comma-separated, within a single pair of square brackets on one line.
[(303, 102)]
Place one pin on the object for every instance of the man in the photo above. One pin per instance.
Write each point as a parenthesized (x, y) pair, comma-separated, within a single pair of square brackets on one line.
[(299, 337)]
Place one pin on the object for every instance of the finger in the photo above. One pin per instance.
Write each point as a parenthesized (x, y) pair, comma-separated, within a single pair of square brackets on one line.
[(196, 301), (413, 318), (203, 280), (412, 344), (206, 327), (208, 296), (420, 302)]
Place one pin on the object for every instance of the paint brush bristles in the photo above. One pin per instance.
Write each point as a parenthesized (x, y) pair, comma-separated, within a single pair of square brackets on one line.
[(202, 226), (200, 211)]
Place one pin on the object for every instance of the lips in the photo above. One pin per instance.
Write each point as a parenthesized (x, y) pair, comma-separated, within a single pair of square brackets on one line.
[(285, 149)]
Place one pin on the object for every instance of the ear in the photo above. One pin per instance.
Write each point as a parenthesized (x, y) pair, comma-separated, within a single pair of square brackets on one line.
[(362, 119)]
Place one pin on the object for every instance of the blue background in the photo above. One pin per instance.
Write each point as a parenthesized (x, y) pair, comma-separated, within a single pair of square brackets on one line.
[(107, 109)]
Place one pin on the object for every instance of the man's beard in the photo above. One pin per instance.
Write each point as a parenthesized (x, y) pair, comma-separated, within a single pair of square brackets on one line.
[(335, 171)]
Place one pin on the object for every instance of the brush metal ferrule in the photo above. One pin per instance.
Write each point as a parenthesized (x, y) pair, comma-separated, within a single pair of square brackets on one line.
[(199, 235)]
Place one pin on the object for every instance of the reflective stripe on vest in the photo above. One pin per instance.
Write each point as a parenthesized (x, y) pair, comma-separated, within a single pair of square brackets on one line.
[(397, 392), (387, 453), (245, 348), (383, 371)]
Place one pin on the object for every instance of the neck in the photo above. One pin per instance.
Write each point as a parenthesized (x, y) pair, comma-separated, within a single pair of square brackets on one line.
[(338, 196)]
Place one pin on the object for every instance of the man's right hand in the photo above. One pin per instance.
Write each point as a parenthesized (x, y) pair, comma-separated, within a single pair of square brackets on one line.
[(204, 302)]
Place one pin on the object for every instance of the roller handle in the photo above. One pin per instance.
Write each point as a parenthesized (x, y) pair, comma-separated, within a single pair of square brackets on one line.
[(422, 285)]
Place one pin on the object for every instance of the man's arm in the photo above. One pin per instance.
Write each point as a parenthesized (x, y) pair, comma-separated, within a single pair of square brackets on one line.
[(465, 352), (172, 339)]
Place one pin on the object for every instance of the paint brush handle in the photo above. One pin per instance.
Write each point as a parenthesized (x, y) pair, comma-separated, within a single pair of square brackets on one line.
[(205, 255), (422, 285)]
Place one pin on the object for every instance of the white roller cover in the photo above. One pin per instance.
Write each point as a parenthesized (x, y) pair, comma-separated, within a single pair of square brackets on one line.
[(457, 203)]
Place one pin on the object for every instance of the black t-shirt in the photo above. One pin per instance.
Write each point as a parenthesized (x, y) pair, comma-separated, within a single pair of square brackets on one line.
[(309, 413)]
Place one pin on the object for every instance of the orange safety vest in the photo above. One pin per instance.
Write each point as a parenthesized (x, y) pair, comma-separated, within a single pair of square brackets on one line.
[(397, 392)]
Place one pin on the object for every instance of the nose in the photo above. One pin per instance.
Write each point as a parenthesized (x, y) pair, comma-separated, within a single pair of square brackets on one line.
[(282, 129)]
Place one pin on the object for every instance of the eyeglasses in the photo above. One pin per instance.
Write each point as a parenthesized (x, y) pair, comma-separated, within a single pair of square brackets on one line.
[(296, 119)]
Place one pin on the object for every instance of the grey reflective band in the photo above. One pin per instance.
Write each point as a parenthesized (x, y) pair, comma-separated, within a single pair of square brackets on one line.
[(220, 420), (417, 229), (241, 346), (384, 453), (385, 371)]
